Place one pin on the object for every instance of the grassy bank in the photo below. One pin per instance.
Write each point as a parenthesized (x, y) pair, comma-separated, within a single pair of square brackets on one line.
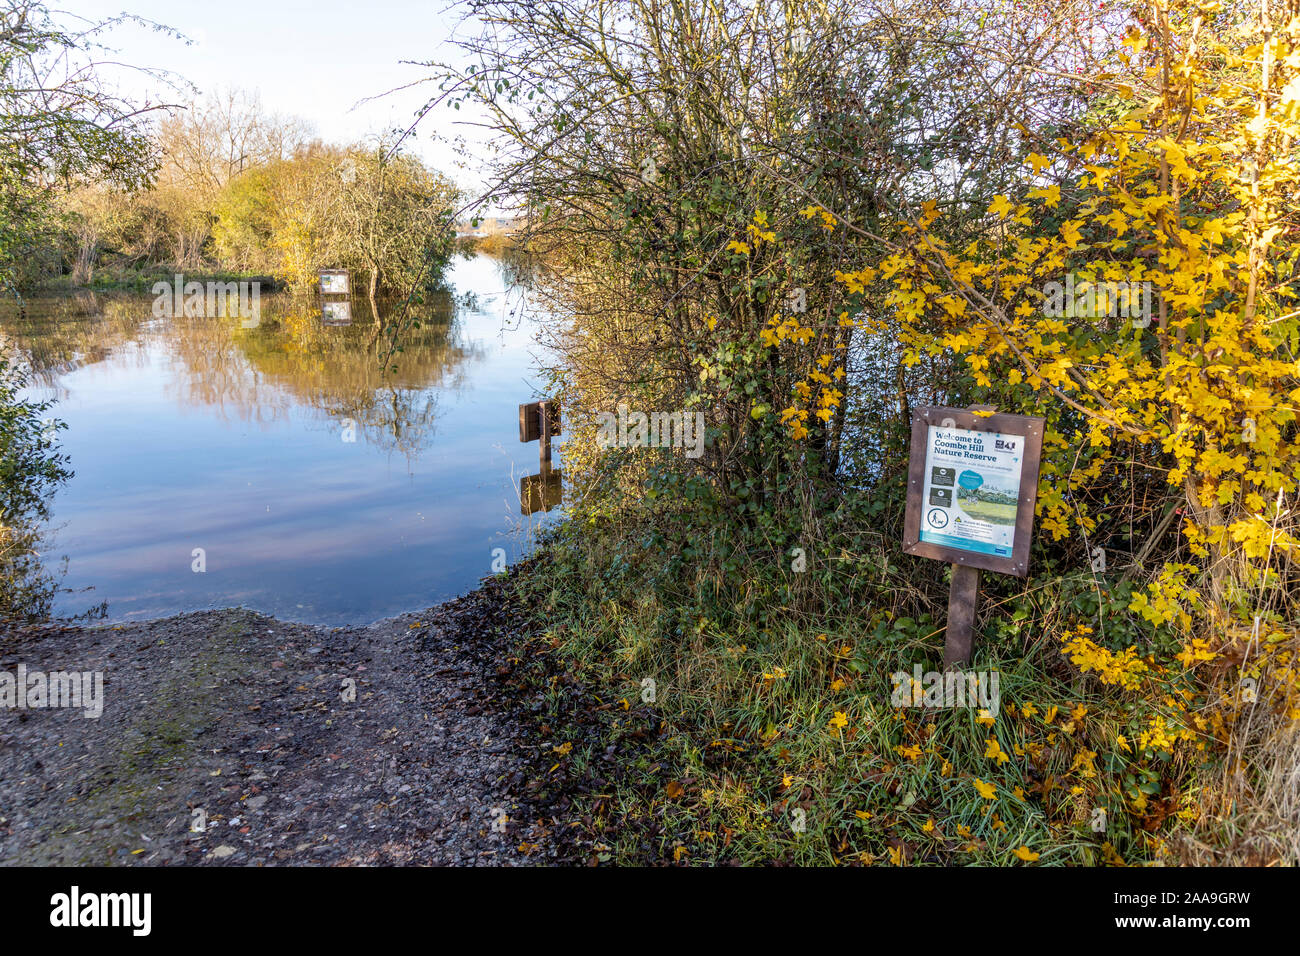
[(690, 728)]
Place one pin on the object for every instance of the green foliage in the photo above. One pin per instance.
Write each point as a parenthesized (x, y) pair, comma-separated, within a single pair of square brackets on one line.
[(378, 212), (717, 195), (30, 470), (740, 757), (60, 125)]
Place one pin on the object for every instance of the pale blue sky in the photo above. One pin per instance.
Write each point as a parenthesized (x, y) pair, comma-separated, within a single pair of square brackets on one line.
[(310, 58)]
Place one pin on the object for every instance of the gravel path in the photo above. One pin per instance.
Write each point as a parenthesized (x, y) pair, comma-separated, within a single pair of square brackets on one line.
[(230, 738)]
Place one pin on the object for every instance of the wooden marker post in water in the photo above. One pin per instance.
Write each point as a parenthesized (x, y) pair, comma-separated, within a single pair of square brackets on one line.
[(544, 416), (971, 485), (539, 421)]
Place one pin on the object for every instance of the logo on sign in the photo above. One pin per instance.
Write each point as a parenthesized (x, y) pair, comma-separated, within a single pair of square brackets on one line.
[(1002, 444), (938, 518)]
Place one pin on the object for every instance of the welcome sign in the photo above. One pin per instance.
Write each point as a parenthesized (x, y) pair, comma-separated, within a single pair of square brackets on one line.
[(972, 483), (972, 487)]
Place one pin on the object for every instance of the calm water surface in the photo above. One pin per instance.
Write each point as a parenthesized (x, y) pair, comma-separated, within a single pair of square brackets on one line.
[(197, 433)]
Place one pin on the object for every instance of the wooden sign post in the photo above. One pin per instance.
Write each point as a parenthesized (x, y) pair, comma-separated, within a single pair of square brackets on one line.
[(544, 416), (971, 485), (539, 421)]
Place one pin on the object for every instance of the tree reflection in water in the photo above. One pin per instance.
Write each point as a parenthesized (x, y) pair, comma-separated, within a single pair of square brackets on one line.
[(276, 447), (259, 375)]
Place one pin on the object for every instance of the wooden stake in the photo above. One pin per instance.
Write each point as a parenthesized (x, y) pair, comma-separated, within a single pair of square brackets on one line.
[(962, 597), (544, 448)]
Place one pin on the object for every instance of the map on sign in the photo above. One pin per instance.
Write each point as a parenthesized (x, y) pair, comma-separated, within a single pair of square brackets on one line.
[(972, 489)]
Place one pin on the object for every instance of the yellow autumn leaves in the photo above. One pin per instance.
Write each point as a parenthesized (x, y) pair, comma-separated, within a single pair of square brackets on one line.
[(1197, 206), (757, 232)]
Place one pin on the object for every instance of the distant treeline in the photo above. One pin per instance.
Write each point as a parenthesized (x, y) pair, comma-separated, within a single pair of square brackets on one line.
[(235, 190)]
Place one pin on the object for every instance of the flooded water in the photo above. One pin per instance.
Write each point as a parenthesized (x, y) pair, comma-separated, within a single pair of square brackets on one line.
[(282, 460)]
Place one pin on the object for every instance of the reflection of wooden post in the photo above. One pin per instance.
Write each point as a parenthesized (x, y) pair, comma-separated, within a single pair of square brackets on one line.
[(962, 596), (539, 421)]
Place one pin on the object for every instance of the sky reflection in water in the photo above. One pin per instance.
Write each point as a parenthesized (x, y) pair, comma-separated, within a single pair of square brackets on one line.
[(194, 433)]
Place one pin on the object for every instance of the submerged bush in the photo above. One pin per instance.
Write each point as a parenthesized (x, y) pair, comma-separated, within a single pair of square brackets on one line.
[(30, 471)]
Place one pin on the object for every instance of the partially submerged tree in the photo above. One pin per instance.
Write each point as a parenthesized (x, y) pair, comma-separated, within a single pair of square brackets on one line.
[(392, 219)]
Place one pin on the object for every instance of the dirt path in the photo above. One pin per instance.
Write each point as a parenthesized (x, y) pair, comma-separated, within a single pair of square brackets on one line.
[(246, 727)]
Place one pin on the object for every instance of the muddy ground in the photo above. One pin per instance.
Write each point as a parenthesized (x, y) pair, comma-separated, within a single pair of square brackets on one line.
[(230, 738)]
